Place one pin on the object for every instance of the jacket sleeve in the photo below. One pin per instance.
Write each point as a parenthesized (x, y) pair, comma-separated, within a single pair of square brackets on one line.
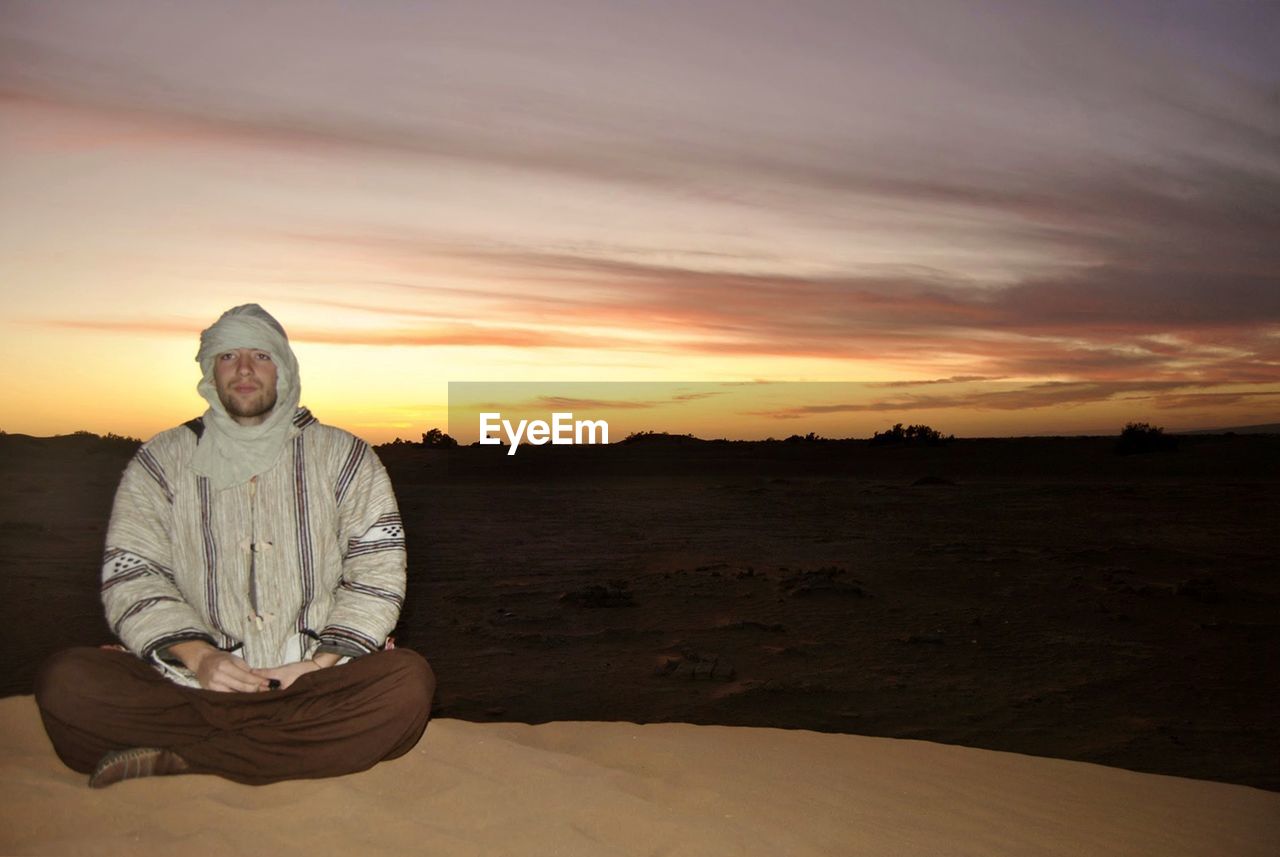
[(144, 607), (370, 593)]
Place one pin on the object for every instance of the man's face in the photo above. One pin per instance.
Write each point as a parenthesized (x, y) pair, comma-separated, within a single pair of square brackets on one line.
[(246, 382)]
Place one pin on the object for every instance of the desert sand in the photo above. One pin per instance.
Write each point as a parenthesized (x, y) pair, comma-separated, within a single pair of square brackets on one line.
[(595, 789), (1045, 597)]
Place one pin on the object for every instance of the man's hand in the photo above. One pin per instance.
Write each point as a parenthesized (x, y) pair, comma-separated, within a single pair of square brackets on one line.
[(216, 669), (288, 673)]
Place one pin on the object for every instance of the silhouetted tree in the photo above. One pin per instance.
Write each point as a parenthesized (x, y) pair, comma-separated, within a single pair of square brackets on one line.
[(913, 434), (1137, 438), (438, 440), (811, 437), (650, 436)]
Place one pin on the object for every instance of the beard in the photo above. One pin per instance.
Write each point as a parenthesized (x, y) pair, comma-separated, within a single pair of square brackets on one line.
[(252, 407)]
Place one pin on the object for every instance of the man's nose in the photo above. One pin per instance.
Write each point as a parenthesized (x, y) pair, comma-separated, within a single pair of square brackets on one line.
[(244, 364)]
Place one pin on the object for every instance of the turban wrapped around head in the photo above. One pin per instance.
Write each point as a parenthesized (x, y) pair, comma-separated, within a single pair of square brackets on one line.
[(230, 453)]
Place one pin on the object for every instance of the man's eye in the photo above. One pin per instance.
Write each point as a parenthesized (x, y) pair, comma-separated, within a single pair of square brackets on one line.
[(228, 356), (262, 355)]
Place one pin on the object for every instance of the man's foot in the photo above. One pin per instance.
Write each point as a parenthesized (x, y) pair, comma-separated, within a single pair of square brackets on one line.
[(133, 763)]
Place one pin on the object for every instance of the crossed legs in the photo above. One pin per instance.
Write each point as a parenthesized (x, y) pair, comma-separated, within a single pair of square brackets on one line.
[(332, 721)]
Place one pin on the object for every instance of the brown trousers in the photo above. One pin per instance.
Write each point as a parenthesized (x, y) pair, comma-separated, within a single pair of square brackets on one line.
[(332, 721)]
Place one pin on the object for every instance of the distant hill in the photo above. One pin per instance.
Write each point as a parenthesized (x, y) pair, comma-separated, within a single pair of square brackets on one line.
[(1264, 428)]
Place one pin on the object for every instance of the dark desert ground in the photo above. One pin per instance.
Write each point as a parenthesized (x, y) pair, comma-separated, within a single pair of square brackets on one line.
[(1042, 595)]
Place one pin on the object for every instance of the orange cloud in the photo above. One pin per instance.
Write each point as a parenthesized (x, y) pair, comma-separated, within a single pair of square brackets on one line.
[(457, 334), (1030, 396), (1100, 323)]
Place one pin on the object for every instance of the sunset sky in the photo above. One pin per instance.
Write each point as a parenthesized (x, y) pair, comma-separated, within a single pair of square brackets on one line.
[(1030, 217)]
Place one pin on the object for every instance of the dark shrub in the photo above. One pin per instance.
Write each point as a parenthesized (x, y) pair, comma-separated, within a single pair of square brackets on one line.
[(659, 437), (811, 437), (1138, 438), (919, 435), (438, 440)]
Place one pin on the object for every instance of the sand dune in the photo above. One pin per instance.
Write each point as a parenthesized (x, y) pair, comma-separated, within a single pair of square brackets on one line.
[(591, 788)]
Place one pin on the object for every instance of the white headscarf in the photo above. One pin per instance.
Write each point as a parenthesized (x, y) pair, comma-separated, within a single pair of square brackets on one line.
[(229, 453)]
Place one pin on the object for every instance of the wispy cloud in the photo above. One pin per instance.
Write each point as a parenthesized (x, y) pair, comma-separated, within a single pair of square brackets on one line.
[(597, 404), (1095, 322), (1215, 400), (1085, 193), (1027, 397), (1098, 324), (954, 379), (454, 335), (585, 403)]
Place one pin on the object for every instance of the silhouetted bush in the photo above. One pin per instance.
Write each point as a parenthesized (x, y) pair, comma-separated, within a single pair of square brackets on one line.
[(914, 434), (110, 437), (436, 439), (1137, 438), (121, 438), (659, 437), (811, 437)]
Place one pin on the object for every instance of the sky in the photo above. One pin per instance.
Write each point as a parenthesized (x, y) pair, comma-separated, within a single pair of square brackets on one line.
[(1005, 217)]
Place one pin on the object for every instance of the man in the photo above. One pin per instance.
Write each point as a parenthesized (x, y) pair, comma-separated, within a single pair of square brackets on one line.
[(254, 567)]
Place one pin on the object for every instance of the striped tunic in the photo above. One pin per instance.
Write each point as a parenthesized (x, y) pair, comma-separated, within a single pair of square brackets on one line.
[(308, 556)]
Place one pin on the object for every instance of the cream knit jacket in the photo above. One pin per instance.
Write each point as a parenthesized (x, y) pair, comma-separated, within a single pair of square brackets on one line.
[(308, 555)]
